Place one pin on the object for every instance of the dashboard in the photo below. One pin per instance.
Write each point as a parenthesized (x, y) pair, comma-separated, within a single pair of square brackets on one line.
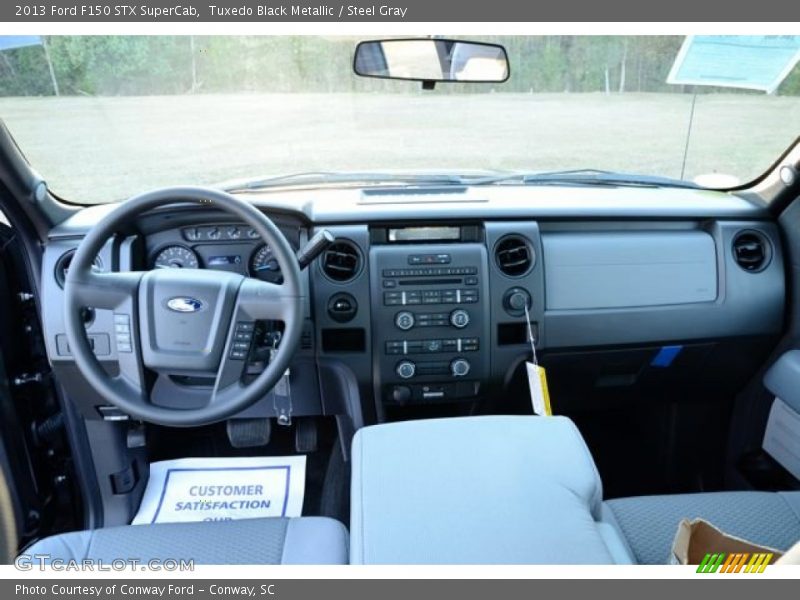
[(432, 300)]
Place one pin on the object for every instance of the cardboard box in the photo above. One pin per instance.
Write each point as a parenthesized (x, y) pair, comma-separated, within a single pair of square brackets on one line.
[(696, 539)]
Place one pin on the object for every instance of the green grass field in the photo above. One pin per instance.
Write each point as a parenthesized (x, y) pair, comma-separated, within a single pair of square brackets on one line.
[(100, 149)]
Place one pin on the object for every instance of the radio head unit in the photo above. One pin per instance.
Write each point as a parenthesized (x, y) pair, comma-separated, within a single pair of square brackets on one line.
[(431, 318)]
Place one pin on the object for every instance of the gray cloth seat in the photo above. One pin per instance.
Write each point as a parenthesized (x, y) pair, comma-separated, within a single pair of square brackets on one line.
[(305, 540), (523, 490), (648, 523), (478, 490)]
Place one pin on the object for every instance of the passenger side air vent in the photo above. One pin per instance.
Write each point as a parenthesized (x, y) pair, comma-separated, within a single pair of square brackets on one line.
[(341, 262), (751, 251), (514, 255)]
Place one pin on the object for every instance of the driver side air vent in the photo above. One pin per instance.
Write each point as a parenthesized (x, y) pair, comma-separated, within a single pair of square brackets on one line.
[(514, 255), (751, 251), (63, 263), (341, 262)]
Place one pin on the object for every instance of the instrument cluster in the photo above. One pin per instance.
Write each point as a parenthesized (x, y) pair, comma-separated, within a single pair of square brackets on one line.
[(221, 247)]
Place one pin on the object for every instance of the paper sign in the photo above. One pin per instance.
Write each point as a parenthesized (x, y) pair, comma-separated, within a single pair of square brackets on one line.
[(221, 489), (754, 62), (540, 396)]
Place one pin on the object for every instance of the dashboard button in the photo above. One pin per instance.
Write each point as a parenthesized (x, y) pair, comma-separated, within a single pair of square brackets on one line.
[(459, 318), (401, 394), (459, 367), (404, 320), (432, 345), (406, 369), (450, 345)]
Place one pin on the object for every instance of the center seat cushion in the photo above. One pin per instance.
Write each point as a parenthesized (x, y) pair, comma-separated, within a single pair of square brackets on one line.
[(477, 490)]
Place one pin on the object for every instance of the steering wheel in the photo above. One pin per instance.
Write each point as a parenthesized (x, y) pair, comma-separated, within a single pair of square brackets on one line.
[(186, 322)]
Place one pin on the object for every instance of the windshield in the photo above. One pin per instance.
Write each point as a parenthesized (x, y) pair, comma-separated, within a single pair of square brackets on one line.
[(103, 118)]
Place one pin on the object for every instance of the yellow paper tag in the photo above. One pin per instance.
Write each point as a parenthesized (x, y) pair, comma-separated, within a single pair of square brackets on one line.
[(540, 397)]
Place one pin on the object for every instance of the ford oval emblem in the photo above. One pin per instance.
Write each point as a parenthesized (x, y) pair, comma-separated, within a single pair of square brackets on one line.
[(184, 304)]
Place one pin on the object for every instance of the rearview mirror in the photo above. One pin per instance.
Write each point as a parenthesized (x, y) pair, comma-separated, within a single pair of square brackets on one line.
[(432, 60)]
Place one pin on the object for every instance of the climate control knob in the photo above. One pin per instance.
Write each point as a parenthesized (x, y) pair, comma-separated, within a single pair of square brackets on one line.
[(404, 320), (459, 367), (459, 318), (405, 369)]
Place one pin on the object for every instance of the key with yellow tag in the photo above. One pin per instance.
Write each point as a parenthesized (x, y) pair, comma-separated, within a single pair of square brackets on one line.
[(537, 377)]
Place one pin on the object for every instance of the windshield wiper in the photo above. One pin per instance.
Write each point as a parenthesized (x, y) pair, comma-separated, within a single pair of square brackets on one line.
[(583, 177), (313, 178), (589, 177)]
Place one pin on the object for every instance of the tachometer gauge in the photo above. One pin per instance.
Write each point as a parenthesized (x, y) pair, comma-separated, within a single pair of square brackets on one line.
[(176, 257), (264, 266)]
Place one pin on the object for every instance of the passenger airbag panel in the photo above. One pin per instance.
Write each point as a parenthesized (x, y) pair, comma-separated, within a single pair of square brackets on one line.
[(593, 270)]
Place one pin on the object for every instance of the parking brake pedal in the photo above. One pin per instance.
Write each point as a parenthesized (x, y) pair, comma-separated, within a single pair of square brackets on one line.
[(248, 433), (305, 436)]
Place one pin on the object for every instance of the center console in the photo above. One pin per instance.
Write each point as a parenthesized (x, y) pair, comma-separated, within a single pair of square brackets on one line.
[(429, 295)]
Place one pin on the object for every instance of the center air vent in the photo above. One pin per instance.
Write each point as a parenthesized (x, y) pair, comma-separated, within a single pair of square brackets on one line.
[(514, 255), (751, 251), (341, 261)]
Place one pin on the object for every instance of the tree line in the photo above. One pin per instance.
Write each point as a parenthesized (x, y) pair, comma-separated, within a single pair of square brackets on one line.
[(156, 65)]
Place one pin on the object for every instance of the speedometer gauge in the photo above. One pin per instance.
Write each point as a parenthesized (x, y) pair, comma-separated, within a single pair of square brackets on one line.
[(176, 257), (264, 266)]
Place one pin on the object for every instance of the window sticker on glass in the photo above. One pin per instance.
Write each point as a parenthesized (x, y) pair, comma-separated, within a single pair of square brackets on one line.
[(754, 62)]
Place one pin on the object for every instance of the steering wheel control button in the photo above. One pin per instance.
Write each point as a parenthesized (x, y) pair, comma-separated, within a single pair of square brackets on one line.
[(459, 367), (242, 338), (122, 332), (406, 369), (404, 320), (459, 318)]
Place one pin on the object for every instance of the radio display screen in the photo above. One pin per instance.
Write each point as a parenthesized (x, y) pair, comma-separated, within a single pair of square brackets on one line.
[(424, 234)]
